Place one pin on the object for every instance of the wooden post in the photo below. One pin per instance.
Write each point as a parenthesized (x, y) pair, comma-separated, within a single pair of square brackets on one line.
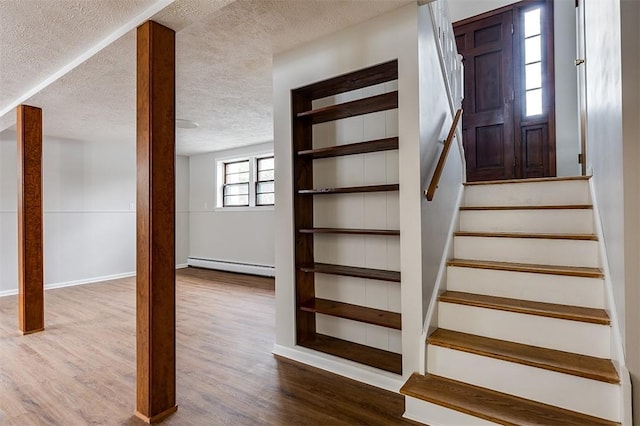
[(30, 246), (155, 302)]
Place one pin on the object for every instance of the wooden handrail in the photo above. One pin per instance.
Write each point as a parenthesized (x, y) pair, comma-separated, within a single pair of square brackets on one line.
[(443, 157)]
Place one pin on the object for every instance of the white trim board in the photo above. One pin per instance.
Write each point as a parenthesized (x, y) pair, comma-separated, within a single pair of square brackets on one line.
[(75, 282), (85, 281), (242, 268)]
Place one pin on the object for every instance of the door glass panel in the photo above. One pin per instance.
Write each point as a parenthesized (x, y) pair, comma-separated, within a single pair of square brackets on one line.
[(533, 76), (532, 49), (532, 22), (534, 102)]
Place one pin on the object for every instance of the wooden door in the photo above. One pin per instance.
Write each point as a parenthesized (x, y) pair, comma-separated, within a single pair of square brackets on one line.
[(488, 138)]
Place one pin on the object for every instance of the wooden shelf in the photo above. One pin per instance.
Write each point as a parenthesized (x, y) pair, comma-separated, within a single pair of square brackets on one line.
[(350, 109), (386, 144), (385, 232), (381, 73), (354, 312), (350, 189), (378, 358), (352, 271)]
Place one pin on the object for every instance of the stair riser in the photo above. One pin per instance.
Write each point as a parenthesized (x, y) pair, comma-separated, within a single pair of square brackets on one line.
[(528, 250), (564, 335), (561, 289), (573, 192), (528, 221), (587, 396), (436, 415)]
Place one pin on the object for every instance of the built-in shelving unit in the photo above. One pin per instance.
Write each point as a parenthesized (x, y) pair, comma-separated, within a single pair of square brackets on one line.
[(308, 305)]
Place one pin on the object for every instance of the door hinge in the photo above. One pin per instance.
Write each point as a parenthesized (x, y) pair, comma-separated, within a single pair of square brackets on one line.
[(512, 29), (580, 158)]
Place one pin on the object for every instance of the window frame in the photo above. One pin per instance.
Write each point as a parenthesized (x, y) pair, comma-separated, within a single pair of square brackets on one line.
[(220, 182), (257, 180), (226, 184)]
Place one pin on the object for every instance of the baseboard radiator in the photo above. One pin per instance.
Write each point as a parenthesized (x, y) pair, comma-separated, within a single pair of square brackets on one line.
[(223, 265)]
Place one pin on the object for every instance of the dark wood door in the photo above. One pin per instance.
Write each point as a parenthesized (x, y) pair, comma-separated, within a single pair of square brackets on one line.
[(488, 120)]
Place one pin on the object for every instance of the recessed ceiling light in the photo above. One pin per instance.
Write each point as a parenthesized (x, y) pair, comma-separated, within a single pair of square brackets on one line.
[(186, 124)]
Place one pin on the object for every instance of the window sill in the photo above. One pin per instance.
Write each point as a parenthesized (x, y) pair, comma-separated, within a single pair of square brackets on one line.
[(243, 209)]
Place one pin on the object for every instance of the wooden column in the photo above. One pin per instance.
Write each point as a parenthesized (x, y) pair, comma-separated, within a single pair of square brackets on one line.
[(156, 312), (30, 259)]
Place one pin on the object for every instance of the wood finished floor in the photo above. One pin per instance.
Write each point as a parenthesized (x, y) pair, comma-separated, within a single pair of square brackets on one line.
[(81, 369)]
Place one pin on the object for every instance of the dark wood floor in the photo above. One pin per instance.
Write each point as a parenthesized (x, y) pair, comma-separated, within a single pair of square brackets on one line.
[(81, 369)]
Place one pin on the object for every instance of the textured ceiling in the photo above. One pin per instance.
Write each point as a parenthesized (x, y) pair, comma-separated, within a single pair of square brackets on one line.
[(223, 82), (38, 37)]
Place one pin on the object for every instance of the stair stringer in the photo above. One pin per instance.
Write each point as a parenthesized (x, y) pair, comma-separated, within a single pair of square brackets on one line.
[(617, 348), (431, 318)]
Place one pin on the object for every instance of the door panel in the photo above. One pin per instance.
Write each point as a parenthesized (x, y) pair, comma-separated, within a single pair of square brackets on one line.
[(487, 123)]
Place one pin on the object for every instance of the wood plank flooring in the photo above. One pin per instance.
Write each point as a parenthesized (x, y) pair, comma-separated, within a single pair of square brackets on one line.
[(81, 369)]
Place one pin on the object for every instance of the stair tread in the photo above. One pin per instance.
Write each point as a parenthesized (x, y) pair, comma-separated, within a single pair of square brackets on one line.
[(552, 310), (581, 237), (577, 271), (531, 207), (529, 180), (563, 362), (491, 405)]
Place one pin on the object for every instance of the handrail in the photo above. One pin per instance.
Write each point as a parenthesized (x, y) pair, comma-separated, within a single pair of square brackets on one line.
[(430, 192)]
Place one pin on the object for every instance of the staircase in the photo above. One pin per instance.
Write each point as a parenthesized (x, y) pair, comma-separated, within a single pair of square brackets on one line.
[(522, 337)]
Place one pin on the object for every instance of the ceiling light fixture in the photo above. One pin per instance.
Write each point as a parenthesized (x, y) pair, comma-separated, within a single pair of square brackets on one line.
[(186, 124)]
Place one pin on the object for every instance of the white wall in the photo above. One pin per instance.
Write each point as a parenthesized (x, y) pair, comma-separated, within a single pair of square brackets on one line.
[(435, 120), (238, 235), (630, 16), (604, 132), (89, 211), (393, 35), (567, 141)]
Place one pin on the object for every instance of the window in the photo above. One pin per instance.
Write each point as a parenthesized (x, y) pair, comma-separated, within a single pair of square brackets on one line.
[(235, 191), (264, 182), (533, 62), (246, 182)]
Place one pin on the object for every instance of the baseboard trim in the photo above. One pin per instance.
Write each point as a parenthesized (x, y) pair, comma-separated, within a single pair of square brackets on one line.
[(242, 268), (341, 367), (84, 281)]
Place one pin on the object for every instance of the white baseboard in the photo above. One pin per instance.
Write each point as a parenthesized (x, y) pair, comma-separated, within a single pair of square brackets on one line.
[(369, 375), (243, 268), (83, 281)]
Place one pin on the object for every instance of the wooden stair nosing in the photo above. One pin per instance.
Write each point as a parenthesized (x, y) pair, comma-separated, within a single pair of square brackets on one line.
[(549, 359), (576, 237), (352, 312), (492, 405), (529, 180), (575, 271), (530, 207), (550, 310)]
